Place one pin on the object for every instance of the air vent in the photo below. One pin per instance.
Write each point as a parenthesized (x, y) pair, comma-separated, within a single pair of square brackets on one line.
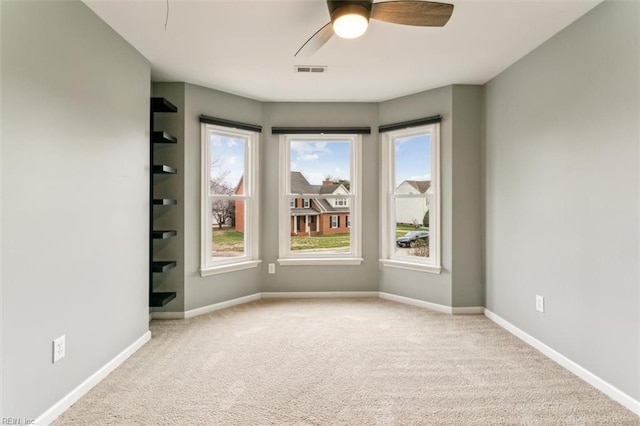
[(312, 69)]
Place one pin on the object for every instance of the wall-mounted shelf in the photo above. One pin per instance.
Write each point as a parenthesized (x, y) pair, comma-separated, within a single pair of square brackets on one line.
[(157, 300), (163, 235), (163, 169), (158, 138), (163, 137), (162, 105), (162, 266), (164, 202)]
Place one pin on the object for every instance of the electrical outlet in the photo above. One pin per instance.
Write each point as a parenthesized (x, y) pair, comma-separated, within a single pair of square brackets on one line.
[(540, 303), (272, 268), (59, 348)]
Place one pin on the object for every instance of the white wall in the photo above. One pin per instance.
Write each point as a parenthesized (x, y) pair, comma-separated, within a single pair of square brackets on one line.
[(75, 173), (562, 193)]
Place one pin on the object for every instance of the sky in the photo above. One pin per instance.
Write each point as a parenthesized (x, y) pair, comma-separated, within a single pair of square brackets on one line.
[(227, 156), (413, 158), (317, 159)]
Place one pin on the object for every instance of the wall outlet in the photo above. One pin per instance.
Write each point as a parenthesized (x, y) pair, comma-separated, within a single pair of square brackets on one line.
[(59, 348), (272, 268), (539, 303)]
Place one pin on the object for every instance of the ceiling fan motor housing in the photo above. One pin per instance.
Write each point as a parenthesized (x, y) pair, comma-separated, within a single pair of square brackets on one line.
[(339, 8)]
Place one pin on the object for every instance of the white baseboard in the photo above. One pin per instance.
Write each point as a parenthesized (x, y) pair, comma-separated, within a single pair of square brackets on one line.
[(595, 381), (318, 294), (222, 305), (207, 309), (72, 397), (470, 310)]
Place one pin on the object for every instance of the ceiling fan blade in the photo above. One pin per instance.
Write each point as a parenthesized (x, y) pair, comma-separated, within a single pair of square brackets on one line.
[(316, 41), (420, 13)]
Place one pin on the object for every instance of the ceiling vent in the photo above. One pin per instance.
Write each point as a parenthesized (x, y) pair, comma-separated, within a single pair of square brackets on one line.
[(311, 69)]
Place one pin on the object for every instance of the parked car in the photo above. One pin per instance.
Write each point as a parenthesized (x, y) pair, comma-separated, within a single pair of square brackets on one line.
[(409, 239)]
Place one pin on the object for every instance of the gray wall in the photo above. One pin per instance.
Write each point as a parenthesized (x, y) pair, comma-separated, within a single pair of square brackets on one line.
[(466, 196), (203, 291), (562, 193), (461, 168), (460, 283), (75, 199), (363, 277), (435, 288)]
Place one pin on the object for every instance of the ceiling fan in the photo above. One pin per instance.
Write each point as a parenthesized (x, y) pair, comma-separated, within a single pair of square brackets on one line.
[(350, 18)]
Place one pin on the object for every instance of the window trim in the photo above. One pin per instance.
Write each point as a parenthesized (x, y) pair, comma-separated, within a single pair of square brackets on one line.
[(285, 256), (251, 199), (387, 194)]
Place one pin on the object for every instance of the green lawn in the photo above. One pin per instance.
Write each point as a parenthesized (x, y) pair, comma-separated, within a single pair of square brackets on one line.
[(227, 239), (320, 242)]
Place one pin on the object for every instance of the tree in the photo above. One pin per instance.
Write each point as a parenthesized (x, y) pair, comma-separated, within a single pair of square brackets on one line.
[(221, 209), (425, 219)]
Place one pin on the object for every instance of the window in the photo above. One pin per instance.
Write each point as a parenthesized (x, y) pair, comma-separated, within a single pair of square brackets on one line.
[(348, 221), (324, 170), (292, 203), (229, 199), (410, 216)]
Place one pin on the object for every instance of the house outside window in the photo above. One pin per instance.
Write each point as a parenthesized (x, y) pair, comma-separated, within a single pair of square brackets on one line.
[(410, 198), (320, 169), (229, 228)]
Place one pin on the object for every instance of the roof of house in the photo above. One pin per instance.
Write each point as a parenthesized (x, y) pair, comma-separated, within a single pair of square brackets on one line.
[(420, 185), (300, 185)]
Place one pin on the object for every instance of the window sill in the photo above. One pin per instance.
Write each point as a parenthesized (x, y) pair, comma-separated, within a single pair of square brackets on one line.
[(229, 267), (326, 261), (411, 266)]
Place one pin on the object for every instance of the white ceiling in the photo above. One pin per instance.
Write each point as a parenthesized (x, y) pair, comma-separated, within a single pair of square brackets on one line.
[(246, 47)]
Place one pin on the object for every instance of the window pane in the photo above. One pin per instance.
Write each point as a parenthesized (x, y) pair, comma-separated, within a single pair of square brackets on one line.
[(226, 164), (411, 240), (412, 178), (320, 229), (228, 228), (320, 167), (412, 164)]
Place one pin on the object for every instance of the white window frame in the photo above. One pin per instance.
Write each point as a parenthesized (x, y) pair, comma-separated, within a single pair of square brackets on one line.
[(388, 185), (331, 222), (306, 203), (286, 256), (208, 264), (341, 202)]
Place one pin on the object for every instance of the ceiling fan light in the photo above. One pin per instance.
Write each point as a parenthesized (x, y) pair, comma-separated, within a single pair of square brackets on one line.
[(350, 21)]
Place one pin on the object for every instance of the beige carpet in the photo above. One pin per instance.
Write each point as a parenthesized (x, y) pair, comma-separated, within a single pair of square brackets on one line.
[(348, 362)]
